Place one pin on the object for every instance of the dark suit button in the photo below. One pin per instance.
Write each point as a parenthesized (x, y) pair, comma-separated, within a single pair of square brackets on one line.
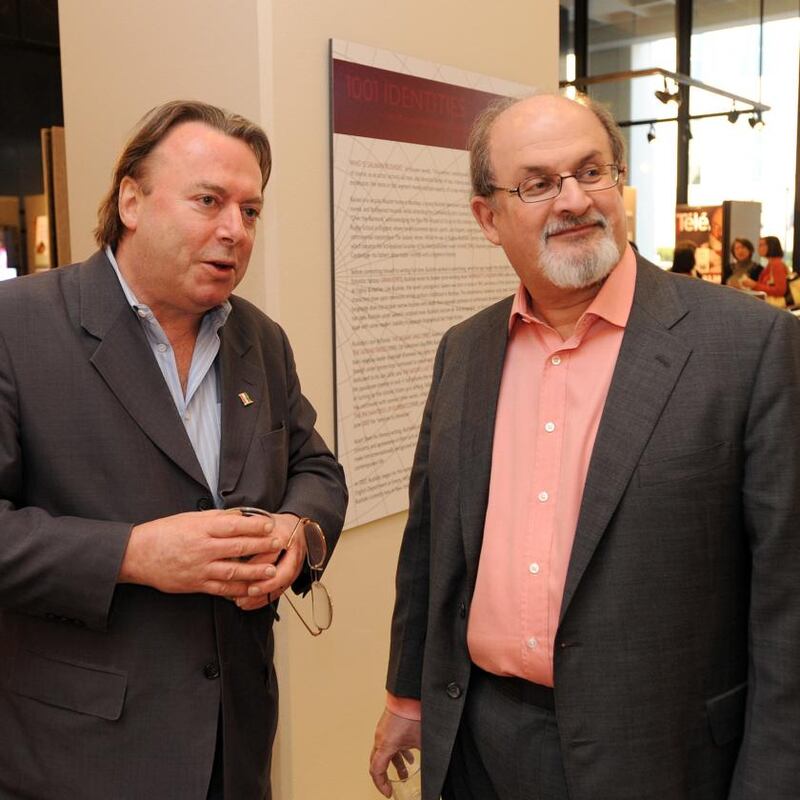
[(211, 670), (205, 504), (453, 690), (51, 616), (462, 610)]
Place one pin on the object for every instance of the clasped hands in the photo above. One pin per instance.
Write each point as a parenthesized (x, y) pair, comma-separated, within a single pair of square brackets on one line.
[(251, 560)]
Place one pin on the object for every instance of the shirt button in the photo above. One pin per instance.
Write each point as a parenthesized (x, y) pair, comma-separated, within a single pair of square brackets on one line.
[(534, 568), (162, 348), (532, 643), (211, 670), (543, 497), (549, 426), (555, 360)]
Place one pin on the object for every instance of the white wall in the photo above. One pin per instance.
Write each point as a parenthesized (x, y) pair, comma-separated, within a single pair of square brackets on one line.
[(268, 60)]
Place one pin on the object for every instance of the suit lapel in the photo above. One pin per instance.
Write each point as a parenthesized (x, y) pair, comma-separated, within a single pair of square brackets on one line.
[(649, 363), (125, 362), (481, 389), (242, 380)]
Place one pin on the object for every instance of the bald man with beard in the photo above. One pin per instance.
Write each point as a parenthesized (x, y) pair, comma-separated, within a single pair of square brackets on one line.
[(596, 591)]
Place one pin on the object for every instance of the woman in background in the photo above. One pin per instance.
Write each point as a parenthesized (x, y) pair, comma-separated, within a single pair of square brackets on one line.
[(743, 267), (772, 280)]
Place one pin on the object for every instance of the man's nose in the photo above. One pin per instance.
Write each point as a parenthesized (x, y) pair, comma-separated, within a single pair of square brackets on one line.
[(230, 225), (572, 197)]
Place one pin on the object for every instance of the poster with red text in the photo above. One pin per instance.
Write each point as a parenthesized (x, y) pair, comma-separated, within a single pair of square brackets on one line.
[(409, 260)]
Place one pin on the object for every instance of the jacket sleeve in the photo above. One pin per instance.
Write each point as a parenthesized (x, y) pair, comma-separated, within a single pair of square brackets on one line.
[(315, 483), (60, 567), (768, 759)]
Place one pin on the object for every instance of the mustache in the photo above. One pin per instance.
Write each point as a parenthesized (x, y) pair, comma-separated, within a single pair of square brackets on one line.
[(569, 221)]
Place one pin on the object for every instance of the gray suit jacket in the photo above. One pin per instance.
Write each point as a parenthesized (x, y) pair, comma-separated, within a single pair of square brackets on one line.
[(677, 664), (113, 691)]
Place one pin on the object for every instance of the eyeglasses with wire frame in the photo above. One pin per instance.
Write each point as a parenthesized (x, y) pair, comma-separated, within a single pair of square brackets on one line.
[(316, 552), (591, 178)]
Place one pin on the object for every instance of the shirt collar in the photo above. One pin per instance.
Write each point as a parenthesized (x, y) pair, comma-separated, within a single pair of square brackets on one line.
[(218, 314), (612, 303)]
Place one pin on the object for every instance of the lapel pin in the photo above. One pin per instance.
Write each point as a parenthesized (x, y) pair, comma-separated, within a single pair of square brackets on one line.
[(246, 399)]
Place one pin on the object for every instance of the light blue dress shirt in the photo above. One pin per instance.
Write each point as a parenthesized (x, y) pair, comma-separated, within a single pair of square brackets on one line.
[(200, 408)]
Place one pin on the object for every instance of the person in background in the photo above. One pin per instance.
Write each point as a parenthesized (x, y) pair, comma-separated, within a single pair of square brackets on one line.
[(683, 260), (596, 594), (773, 278), (743, 266), (142, 403)]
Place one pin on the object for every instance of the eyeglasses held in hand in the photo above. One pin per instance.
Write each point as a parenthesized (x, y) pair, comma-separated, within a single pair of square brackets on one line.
[(316, 552)]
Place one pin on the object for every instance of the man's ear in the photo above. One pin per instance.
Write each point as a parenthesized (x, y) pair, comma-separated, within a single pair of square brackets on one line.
[(483, 210), (129, 202)]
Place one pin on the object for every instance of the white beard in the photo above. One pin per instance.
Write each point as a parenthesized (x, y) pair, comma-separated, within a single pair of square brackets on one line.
[(582, 264)]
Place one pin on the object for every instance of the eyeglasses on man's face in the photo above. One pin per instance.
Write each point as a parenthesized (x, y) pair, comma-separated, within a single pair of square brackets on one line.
[(316, 553), (592, 178)]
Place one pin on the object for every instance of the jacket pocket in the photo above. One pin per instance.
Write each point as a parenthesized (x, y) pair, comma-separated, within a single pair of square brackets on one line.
[(275, 444), (682, 466), (726, 714), (76, 687)]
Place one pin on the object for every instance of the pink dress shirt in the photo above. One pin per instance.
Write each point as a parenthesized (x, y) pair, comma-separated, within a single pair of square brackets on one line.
[(552, 395)]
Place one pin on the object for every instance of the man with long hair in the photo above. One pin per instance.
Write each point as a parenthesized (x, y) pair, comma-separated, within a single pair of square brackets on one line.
[(141, 401)]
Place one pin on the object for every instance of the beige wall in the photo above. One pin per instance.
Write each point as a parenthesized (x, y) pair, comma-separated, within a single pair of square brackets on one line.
[(269, 60)]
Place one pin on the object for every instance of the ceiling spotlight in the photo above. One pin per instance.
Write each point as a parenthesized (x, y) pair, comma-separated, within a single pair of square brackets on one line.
[(665, 96), (756, 121), (733, 114), (651, 134)]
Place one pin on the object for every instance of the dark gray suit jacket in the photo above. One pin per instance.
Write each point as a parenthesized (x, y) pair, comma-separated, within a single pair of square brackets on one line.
[(113, 691), (677, 663)]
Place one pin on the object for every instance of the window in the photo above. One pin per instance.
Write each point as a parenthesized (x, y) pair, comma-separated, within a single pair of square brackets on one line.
[(726, 161)]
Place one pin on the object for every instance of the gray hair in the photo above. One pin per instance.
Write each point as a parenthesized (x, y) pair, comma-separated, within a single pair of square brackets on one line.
[(480, 164)]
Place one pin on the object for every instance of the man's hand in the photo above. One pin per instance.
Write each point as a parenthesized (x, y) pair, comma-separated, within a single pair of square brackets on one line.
[(281, 571), (393, 735), (202, 551)]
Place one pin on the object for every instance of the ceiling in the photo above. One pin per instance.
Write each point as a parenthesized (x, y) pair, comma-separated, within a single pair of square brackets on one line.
[(657, 17), (616, 22)]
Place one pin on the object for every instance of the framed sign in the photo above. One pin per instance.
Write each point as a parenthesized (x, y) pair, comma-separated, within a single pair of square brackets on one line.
[(409, 260)]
